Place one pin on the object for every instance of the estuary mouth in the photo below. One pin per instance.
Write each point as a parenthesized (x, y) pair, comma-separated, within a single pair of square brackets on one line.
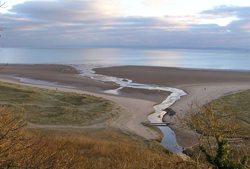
[(169, 140)]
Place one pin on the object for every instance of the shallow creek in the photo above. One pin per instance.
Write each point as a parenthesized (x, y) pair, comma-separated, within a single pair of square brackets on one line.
[(169, 140)]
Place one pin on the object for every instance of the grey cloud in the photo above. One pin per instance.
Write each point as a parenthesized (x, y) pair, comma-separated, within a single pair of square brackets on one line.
[(226, 11), (85, 23), (59, 10), (241, 13), (82, 12), (150, 22)]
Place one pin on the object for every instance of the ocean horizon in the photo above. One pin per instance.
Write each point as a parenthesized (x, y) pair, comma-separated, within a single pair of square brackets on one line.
[(181, 58)]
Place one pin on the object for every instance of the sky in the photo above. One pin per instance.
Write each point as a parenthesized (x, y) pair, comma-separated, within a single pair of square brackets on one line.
[(222, 24)]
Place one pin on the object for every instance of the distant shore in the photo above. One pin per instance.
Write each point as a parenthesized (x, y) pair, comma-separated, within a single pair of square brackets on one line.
[(203, 85)]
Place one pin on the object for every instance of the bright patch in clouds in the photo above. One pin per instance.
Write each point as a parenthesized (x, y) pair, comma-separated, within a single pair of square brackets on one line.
[(219, 21), (147, 8)]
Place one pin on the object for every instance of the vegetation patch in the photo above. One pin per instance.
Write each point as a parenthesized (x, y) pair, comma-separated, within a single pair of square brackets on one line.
[(222, 130), (43, 106), (239, 103)]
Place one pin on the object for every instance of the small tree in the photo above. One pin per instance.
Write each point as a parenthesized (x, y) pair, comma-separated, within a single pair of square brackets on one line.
[(19, 149), (219, 134)]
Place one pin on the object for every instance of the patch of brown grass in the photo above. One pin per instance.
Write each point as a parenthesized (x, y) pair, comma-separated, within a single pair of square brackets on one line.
[(22, 149), (18, 149)]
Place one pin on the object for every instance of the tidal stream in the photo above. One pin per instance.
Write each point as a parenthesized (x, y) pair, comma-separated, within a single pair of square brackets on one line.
[(169, 140)]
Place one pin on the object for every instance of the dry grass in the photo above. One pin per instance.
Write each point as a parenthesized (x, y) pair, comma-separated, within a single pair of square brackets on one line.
[(22, 149), (19, 149), (53, 107), (92, 148)]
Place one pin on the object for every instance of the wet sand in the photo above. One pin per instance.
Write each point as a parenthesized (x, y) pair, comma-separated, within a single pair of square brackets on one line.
[(202, 85), (174, 77), (67, 76)]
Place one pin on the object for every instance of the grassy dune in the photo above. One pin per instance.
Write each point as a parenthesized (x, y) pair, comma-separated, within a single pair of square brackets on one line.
[(51, 107)]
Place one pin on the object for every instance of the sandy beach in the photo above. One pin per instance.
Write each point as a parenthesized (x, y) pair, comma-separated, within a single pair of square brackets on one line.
[(203, 85)]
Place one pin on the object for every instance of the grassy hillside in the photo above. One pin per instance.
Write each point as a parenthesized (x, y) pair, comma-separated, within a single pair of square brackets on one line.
[(49, 107), (239, 103), (222, 124)]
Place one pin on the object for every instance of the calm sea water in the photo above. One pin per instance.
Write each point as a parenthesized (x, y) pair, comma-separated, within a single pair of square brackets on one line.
[(189, 58)]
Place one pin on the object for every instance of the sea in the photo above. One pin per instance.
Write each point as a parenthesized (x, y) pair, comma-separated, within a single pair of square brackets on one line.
[(184, 58), (84, 59)]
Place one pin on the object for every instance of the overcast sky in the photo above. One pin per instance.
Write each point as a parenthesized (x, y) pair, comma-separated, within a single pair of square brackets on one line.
[(126, 23)]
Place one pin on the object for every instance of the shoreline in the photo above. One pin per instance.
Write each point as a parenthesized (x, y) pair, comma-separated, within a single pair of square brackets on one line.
[(139, 104)]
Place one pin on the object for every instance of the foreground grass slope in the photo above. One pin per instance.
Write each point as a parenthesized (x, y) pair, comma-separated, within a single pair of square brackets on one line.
[(24, 147)]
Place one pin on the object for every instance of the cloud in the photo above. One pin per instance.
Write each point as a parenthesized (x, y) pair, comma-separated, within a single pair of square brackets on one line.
[(99, 23), (67, 10), (152, 22), (227, 11), (241, 15), (39, 15)]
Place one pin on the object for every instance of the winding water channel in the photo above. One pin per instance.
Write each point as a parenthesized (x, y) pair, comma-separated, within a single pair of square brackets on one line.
[(169, 140)]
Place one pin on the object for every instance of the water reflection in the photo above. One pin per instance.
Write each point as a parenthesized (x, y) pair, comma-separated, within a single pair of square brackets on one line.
[(169, 140), (170, 58)]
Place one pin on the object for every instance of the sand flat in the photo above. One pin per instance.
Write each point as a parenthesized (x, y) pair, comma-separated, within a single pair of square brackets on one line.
[(174, 77), (204, 85), (201, 85)]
